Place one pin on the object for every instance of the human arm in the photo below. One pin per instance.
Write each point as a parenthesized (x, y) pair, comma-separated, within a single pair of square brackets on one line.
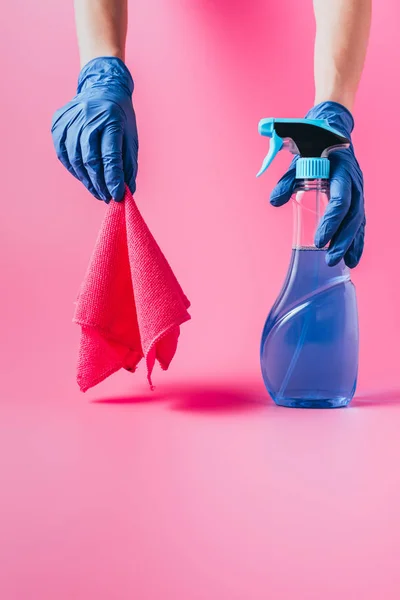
[(341, 40), (101, 27), (95, 134), (342, 30)]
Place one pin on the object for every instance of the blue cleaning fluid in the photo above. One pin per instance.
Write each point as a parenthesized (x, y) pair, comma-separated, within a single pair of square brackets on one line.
[(309, 345)]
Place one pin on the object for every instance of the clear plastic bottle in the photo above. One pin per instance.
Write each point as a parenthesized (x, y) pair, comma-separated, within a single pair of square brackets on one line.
[(309, 346)]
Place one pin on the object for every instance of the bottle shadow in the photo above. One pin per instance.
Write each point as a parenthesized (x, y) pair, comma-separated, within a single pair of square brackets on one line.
[(376, 399), (219, 399), (201, 398)]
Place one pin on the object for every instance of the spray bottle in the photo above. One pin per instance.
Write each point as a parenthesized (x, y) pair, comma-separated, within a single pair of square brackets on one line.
[(309, 345)]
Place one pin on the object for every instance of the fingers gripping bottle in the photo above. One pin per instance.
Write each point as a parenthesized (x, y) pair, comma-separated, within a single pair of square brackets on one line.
[(309, 346)]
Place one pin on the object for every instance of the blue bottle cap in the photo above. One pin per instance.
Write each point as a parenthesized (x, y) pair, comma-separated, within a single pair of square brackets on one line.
[(312, 168)]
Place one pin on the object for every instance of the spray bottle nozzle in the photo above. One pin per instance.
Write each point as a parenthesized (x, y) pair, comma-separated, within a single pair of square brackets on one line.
[(312, 139), (274, 147)]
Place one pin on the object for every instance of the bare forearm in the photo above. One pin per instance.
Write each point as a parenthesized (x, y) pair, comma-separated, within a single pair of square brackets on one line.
[(340, 48), (101, 28)]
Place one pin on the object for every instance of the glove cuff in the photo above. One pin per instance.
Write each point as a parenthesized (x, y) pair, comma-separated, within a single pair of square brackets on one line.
[(103, 71), (337, 115)]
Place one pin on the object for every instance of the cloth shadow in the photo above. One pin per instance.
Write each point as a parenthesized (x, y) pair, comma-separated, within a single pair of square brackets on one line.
[(140, 399), (201, 398)]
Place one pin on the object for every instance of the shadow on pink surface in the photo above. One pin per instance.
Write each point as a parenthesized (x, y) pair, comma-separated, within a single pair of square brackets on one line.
[(201, 398), (376, 399)]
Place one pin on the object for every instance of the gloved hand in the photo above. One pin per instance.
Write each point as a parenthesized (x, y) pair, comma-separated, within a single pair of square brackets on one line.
[(343, 223), (95, 134)]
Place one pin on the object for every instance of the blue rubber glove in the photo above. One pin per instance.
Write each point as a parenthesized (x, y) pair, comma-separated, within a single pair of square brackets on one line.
[(95, 134), (343, 223)]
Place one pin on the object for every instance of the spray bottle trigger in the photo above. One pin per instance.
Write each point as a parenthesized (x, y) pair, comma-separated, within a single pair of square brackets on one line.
[(274, 147)]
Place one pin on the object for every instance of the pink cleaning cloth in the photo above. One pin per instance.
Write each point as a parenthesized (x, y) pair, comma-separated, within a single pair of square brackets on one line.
[(130, 304)]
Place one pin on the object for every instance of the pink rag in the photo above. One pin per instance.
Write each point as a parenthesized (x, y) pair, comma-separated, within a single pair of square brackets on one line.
[(130, 304)]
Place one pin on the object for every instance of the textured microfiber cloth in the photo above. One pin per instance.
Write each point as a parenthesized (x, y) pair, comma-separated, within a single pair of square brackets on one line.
[(130, 304)]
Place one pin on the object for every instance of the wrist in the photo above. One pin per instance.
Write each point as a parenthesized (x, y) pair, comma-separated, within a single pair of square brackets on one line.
[(99, 52), (345, 98)]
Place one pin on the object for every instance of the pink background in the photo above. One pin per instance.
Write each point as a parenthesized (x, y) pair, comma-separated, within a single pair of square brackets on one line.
[(203, 490)]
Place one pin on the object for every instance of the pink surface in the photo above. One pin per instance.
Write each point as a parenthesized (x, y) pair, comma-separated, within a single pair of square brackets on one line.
[(200, 492), (130, 304), (179, 498)]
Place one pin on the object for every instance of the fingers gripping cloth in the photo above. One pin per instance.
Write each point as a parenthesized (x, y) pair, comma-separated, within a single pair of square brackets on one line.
[(130, 305)]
